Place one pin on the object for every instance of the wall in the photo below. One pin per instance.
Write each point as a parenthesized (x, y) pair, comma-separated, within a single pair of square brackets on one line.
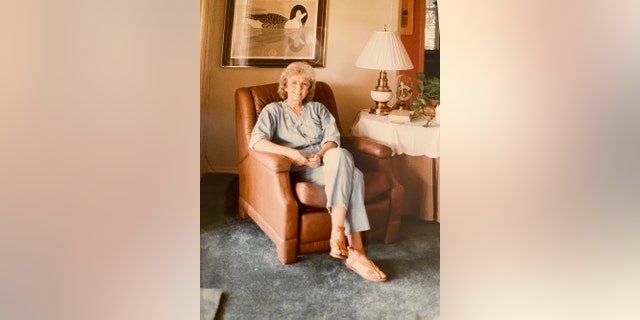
[(414, 43), (350, 25)]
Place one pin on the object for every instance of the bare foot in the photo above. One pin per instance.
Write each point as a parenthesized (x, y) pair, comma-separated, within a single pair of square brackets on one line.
[(365, 268)]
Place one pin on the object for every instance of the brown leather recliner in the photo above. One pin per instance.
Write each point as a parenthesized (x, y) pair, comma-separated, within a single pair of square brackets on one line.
[(293, 214)]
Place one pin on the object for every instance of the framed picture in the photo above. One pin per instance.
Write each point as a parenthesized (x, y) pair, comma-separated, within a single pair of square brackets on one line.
[(406, 19), (267, 33)]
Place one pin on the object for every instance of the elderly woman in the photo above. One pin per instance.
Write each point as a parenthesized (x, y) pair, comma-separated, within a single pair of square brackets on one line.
[(306, 133)]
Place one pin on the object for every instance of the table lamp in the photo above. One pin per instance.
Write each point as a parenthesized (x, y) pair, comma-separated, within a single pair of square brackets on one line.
[(384, 51)]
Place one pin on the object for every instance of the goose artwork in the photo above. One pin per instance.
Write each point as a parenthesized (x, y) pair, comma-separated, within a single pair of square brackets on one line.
[(296, 20), (274, 30), (270, 27)]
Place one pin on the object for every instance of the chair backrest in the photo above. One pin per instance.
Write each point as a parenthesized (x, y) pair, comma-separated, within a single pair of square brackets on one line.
[(251, 100)]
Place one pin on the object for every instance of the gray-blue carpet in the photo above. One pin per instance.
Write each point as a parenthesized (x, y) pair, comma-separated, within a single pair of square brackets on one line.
[(239, 259)]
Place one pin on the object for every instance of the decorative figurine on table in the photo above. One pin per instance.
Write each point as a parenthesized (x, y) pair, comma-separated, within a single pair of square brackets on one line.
[(404, 91)]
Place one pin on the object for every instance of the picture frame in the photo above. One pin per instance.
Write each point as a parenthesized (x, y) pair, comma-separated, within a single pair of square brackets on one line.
[(272, 34), (406, 18)]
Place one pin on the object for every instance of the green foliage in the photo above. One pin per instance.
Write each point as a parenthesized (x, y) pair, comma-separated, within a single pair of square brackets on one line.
[(428, 89)]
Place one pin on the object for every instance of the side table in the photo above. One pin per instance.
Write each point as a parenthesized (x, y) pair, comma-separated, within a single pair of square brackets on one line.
[(416, 158)]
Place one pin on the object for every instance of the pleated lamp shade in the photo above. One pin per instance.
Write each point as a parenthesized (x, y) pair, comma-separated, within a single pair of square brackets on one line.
[(384, 51)]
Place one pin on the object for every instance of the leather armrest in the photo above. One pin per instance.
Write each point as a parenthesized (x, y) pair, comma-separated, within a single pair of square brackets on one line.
[(367, 146), (272, 161), (267, 189)]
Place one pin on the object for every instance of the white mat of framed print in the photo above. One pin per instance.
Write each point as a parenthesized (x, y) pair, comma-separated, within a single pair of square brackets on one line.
[(268, 33)]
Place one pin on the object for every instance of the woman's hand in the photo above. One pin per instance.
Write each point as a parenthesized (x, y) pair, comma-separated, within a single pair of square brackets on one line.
[(314, 161), (298, 158)]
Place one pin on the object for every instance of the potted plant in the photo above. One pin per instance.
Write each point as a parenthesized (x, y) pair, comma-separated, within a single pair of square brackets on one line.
[(428, 97)]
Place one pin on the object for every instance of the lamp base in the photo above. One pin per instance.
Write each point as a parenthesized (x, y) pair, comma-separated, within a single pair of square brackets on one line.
[(381, 96), (381, 109)]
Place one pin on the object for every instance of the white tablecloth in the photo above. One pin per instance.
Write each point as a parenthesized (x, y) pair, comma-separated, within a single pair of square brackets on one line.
[(416, 159), (409, 138)]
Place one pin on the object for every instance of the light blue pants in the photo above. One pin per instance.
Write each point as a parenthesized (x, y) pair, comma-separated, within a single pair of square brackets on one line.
[(343, 184)]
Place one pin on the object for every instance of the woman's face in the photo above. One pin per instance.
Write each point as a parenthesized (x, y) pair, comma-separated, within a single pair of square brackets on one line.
[(297, 87)]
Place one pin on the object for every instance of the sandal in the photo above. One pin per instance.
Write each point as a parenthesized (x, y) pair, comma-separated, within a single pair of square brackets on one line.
[(361, 265), (338, 243)]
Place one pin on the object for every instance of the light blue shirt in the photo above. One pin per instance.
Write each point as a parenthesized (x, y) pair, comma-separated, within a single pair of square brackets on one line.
[(308, 132)]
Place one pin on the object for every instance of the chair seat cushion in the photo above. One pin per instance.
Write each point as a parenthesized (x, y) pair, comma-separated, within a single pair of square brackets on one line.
[(313, 195)]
